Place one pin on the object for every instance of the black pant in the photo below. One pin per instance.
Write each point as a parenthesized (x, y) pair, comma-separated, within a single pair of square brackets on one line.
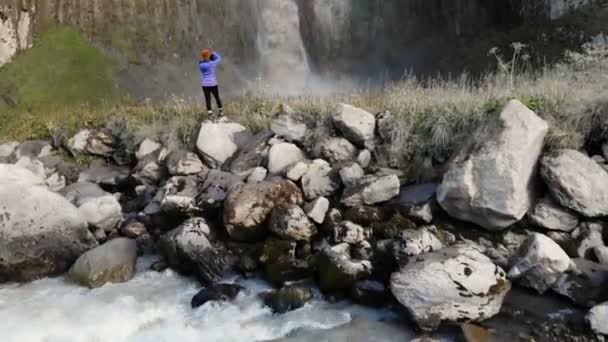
[(216, 93)]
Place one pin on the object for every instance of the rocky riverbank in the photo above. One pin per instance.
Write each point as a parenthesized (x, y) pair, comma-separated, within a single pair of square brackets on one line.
[(289, 205)]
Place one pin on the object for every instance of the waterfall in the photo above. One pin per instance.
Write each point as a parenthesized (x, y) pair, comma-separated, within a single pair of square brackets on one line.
[(283, 59)]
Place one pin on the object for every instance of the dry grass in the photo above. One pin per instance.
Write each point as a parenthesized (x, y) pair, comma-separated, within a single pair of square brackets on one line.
[(433, 116)]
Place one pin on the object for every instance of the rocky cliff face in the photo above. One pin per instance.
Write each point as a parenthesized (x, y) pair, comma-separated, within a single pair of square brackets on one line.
[(158, 41)]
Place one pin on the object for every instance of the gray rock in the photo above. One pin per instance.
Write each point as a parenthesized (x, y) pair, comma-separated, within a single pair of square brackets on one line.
[(457, 284), (336, 150), (184, 163), (297, 170), (601, 254), (355, 124), (251, 155), (42, 233), (179, 196), (370, 190), (33, 148), (416, 202), (100, 143), (550, 215), (287, 299), (539, 263), (189, 249), (151, 168), (586, 237), (216, 293), (598, 319), (78, 143), (55, 182), (99, 208), (585, 283), (351, 233), (489, 181), (320, 180), (338, 271), (219, 140), (420, 241), (350, 174), (287, 126), (290, 222), (317, 209), (105, 175), (370, 293), (215, 188), (364, 158), (281, 264), (34, 165), (13, 174), (7, 149), (362, 251), (281, 156), (134, 230), (257, 175), (576, 182), (146, 147), (112, 262), (249, 205)]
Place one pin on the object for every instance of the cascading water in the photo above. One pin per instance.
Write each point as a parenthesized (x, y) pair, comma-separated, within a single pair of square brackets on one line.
[(152, 307), (283, 58)]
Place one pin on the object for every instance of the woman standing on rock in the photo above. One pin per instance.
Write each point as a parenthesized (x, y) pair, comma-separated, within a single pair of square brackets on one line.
[(211, 59)]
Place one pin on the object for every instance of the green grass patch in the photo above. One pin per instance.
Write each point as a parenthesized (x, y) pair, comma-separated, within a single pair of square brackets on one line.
[(61, 70)]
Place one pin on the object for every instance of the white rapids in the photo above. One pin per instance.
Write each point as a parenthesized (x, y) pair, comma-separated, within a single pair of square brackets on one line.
[(152, 307)]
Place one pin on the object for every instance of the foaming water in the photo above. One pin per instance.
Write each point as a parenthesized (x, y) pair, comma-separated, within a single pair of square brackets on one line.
[(151, 307)]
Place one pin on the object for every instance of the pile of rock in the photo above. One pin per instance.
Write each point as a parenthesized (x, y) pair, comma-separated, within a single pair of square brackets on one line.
[(269, 202)]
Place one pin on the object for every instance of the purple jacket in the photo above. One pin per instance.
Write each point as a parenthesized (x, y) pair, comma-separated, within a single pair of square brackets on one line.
[(208, 70)]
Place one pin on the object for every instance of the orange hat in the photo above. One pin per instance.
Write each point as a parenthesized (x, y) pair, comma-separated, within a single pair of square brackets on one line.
[(206, 54)]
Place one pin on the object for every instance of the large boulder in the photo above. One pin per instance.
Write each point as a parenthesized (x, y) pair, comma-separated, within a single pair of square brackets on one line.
[(285, 125), (249, 205), (16, 175), (42, 233), (101, 209), (112, 262), (576, 182), (550, 215), (320, 180), (282, 156), (355, 124), (457, 284), (539, 263), (335, 150), (338, 271), (290, 222), (219, 140), (370, 190), (252, 155), (489, 181), (190, 250)]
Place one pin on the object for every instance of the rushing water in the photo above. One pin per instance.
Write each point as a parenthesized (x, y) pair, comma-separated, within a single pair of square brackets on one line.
[(152, 307)]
